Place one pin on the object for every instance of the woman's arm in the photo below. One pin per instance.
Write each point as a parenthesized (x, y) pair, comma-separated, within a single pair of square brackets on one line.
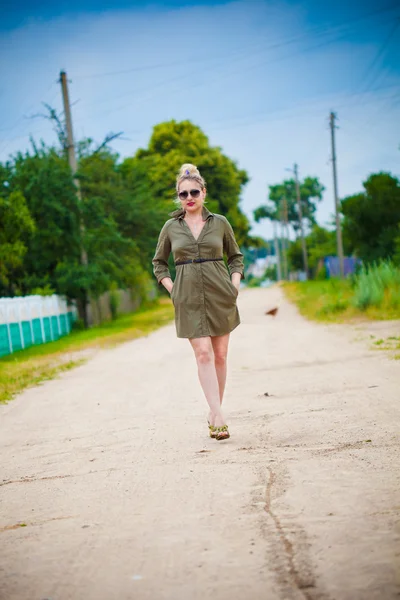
[(235, 257), (160, 260), (236, 278)]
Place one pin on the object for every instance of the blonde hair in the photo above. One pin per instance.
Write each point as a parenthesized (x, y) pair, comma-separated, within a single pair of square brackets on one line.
[(189, 171)]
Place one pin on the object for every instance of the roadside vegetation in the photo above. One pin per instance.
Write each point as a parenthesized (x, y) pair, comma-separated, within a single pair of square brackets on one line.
[(40, 363), (373, 293)]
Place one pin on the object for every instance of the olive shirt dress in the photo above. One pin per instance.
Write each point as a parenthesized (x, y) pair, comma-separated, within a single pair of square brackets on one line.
[(203, 295)]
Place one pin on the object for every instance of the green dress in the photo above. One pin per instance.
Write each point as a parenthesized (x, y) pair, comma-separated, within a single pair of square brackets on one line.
[(203, 295)]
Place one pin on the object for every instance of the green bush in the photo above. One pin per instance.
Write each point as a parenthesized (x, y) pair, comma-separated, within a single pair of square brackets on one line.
[(46, 290)]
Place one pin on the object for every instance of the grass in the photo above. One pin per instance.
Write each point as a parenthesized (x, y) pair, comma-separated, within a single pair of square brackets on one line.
[(373, 294), (391, 343), (39, 363), (328, 301)]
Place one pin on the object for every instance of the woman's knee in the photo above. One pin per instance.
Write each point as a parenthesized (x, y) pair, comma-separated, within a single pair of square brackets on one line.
[(204, 356), (220, 359)]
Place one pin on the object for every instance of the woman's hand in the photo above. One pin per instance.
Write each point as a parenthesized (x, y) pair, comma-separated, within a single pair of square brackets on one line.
[(236, 277), (168, 284)]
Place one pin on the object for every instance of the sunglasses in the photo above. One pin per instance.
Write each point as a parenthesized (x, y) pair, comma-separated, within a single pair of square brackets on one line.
[(184, 195)]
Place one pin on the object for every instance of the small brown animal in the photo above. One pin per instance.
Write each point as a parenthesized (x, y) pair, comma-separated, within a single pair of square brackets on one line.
[(272, 311)]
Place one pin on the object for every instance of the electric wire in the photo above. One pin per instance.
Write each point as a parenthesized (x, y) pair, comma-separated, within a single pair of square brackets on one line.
[(315, 30)]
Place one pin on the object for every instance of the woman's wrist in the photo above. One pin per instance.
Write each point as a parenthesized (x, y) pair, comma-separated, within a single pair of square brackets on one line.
[(236, 278), (167, 283)]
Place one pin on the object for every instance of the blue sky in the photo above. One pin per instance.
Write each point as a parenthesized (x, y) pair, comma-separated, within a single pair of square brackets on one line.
[(260, 78)]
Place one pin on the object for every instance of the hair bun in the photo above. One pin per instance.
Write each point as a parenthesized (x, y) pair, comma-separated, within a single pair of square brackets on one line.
[(188, 170)]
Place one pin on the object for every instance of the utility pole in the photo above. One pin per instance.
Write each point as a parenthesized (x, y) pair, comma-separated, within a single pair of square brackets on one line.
[(286, 221), (283, 236), (303, 240), (278, 258), (339, 241), (74, 167)]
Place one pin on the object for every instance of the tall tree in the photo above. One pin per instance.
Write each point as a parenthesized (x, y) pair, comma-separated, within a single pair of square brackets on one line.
[(320, 243), (174, 143), (44, 178), (311, 190), (53, 256), (372, 217), (16, 227)]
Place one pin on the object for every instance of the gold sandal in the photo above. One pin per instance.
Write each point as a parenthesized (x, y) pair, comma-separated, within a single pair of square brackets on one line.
[(212, 430), (221, 433)]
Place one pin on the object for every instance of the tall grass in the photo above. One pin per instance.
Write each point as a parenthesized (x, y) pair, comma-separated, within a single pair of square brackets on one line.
[(377, 284)]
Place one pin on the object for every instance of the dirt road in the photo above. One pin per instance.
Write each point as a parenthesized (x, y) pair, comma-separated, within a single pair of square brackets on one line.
[(123, 496)]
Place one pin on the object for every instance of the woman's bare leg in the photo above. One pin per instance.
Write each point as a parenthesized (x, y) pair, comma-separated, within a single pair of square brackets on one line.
[(220, 347), (208, 377)]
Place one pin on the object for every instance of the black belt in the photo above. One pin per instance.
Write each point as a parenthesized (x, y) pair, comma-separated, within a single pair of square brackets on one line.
[(195, 260)]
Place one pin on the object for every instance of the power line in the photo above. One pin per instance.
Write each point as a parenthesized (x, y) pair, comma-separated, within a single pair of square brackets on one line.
[(379, 54), (314, 30), (374, 62), (3, 147), (242, 58), (306, 109), (230, 73), (258, 118), (218, 77), (183, 76)]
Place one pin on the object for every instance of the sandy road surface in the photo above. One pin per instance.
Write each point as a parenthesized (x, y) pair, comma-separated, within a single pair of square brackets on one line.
[(124, 496)]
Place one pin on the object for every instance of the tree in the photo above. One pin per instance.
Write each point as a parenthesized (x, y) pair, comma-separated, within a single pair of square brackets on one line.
[(16, 226), (311, 190), (396, 257), (53, 250), (371, 218), (44, 178), (174, 143), (320, 243)]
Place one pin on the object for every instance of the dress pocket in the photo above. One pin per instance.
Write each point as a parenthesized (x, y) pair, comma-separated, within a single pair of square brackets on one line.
[(234, 288)]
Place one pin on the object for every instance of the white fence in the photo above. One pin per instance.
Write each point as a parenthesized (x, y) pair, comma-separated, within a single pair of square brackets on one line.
[(31, 320)]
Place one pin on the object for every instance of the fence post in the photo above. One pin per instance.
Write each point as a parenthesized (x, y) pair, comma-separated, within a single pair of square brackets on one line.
[(67, 320), (56, 302), (49, 311), (30, 321), (9, 331), (42, 321), (21, 331)]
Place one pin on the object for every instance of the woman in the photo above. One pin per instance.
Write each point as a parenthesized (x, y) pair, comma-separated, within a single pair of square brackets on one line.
[(203, 294)]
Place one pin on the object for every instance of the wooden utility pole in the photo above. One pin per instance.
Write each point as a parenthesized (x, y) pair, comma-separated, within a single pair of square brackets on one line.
[(277, 254), (283, 238), (339, 241), (286, 221), (303, 239), (74, 167)]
